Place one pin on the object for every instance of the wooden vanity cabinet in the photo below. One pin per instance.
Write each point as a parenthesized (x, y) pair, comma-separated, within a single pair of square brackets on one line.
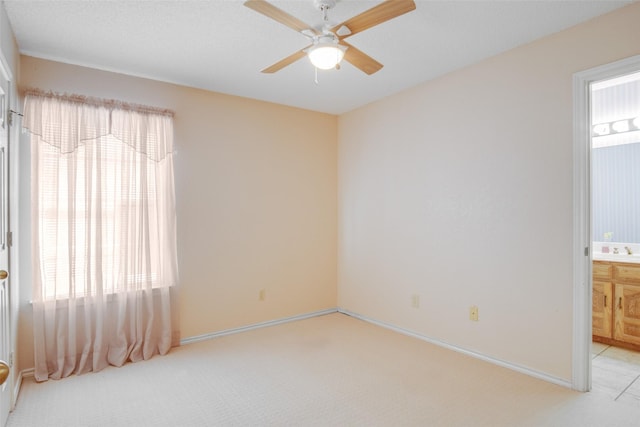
[(616, 303), (602, 307)]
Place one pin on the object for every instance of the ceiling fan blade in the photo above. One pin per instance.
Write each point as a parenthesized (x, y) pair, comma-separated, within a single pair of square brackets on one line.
[(361, 60), (286, 61), (383, 12), (270, 11)]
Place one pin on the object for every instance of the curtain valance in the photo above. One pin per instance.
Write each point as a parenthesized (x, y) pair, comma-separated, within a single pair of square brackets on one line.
[(66, 122)]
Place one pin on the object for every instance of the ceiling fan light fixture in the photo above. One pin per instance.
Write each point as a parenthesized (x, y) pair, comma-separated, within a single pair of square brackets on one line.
[(326, 55), (328, 47)]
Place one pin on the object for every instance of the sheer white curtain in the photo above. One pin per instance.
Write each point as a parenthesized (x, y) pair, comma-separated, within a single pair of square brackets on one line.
[(103, 232)]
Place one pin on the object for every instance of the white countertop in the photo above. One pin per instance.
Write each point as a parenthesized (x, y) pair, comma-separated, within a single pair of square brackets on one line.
[(621, 257)]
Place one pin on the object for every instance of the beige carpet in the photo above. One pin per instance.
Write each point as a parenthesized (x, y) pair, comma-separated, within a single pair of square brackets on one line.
[(332, 370)]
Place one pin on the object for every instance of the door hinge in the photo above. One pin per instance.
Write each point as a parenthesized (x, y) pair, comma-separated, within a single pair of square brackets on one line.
[(10, 238), (11, 359), (586, 251)]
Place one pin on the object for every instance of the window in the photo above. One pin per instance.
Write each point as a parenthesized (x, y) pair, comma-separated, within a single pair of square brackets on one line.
[(104, 202)]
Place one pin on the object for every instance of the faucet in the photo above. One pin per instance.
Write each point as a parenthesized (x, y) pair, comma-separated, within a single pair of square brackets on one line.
[(629, 252)]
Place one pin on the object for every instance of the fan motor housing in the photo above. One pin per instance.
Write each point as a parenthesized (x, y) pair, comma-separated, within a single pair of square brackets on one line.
[(324, 4)]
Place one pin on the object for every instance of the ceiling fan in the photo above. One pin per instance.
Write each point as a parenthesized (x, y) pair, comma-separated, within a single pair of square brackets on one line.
[(328, 46)]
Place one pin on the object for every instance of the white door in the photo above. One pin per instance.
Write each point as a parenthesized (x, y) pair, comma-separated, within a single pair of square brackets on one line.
[(5, 329)]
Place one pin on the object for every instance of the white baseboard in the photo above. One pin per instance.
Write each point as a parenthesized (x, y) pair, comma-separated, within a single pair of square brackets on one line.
[(493, 360), (25, 373), (204, 337)]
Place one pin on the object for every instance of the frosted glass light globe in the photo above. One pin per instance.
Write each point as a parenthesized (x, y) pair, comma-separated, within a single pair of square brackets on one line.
[(326, 55)]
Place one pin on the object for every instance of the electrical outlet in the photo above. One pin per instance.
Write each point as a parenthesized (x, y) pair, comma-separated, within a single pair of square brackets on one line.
[(473, 313), (262, 295), (415, 301)]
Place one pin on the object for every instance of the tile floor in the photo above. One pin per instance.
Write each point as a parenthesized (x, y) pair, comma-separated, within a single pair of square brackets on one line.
[(616, 373)]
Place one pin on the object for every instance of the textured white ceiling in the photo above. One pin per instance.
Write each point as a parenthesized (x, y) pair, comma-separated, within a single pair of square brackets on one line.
[(220, 45)]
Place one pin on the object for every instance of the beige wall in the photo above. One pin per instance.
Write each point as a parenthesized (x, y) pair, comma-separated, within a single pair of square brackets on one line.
[(460, 191), (256, 200)]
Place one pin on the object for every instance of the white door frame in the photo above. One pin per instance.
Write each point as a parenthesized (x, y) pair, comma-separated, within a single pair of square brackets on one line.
[(6, 107), (582, 291)]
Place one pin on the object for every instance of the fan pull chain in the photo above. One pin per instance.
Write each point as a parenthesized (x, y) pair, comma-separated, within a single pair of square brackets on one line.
[(316, 71)]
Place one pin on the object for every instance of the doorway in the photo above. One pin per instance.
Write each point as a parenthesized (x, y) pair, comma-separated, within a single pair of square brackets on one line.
[(615, 249), (591, 124)]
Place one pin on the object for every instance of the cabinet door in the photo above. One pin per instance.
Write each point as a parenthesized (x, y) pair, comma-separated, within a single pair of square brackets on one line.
[(602, 311), (627, 313)]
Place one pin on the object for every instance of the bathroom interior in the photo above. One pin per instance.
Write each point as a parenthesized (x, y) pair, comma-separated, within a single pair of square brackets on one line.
[(615, 216)]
